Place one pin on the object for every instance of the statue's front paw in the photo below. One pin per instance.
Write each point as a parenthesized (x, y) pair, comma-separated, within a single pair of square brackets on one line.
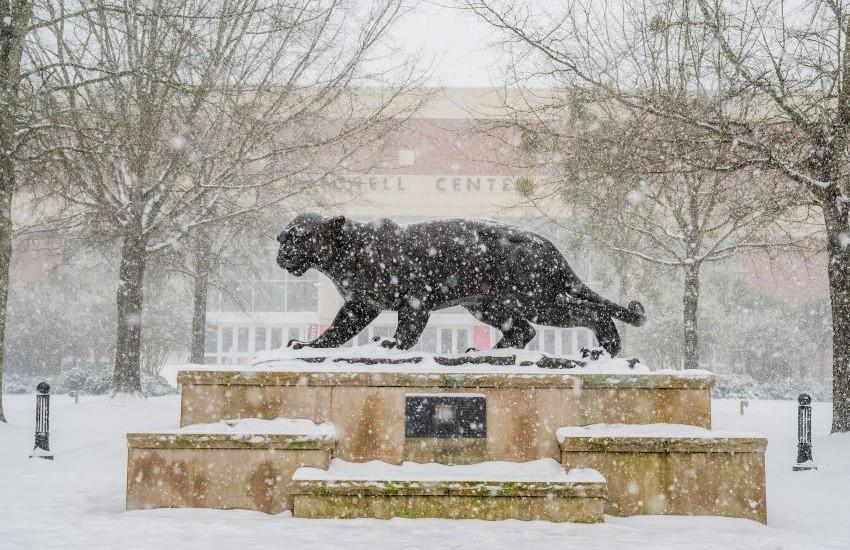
[(593, 353), (385, 342), (297, 344), (389, 343)]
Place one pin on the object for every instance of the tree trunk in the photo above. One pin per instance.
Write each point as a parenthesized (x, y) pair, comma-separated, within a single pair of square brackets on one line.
[(13, 28), (7, 185), (126, 377), (838, 247), (201, 268), (690, 300)]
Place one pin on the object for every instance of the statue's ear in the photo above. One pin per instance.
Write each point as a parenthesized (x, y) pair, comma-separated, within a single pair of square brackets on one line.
[(336, 224)]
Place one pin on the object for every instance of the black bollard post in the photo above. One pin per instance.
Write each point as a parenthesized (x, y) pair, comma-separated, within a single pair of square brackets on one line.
[(804, 434), (42, 422)]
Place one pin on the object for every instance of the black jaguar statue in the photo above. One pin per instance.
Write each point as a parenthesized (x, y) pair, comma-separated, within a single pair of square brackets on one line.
[(505, 276)]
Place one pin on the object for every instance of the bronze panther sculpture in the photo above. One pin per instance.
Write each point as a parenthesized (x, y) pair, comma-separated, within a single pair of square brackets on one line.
[(505, 276)]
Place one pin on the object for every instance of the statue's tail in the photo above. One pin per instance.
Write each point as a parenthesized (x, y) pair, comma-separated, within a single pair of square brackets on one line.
[(633, 314)]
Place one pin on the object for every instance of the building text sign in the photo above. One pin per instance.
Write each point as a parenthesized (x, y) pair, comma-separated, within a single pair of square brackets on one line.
[(434, 184)]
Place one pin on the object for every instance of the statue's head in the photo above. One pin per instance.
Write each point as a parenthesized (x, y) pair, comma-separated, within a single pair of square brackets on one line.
[(308, 241)]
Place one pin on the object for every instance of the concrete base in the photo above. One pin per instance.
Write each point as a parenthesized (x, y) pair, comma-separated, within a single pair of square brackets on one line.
[(576, 510), (218, 471), (717, 476), (364, 409), (580, 500)]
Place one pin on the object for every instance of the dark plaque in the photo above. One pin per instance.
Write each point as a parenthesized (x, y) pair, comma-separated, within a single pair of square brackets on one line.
[(447, 416)]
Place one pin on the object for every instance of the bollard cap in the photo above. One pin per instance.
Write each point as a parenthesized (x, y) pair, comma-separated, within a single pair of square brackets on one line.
[(804, 399), (43, 387)]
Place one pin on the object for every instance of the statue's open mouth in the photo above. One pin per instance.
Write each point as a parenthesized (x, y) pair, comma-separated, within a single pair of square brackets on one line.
[(297, 271), (294, 266)]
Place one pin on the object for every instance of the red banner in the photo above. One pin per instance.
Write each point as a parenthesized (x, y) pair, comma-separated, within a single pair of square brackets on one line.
[(481, 337)]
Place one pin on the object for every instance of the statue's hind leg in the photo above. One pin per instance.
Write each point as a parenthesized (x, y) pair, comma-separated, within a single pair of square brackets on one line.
[(607, 335), (578, 315), (517, 332)]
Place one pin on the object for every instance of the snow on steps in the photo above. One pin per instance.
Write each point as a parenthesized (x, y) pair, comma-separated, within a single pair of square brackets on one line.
[(241, 433), (534, 490), (672, 468)]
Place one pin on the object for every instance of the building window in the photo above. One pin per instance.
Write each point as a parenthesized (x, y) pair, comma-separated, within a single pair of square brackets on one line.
[(236, 345), (277, 338), (269, 296), (242, 344), (226, 339), (429, 340), (302, 296), (534, 345), (260, 339), (236, 296), (211, 340), (462, 343), (549, 341), (363, 338), (279, 293), (568, 342), (445, 340)]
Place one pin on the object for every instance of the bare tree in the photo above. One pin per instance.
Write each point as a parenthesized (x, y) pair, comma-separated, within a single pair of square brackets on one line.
[(778, 81), (199, 261), (15, 23), (659, 193), (21, 83), (216, 109)]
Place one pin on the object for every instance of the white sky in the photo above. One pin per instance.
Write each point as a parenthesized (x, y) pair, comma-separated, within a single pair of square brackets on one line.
[(458, 43)]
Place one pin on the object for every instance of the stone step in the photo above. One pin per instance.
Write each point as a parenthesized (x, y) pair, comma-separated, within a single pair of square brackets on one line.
[(535, 490), (672, 469), (232, 464)]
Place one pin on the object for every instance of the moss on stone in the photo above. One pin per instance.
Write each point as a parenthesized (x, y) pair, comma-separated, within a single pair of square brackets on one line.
[(445, 380), (579, 510), (227, 441), (664, 444)]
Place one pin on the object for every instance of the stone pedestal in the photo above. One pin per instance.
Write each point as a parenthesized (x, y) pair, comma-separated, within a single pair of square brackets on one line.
[(462, 412), (677, 470), (524, 405), (248, 471)]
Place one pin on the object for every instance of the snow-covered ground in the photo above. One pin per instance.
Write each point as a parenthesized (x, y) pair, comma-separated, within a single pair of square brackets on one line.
[(77, 501)]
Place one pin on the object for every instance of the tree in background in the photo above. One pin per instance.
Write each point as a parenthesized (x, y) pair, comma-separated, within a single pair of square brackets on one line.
[(661, 194), (777, 81), (23, 86), (198, 260), (59, 317), (64, 319), (216, 110)]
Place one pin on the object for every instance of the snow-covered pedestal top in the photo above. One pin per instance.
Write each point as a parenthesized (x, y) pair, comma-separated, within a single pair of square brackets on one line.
[(374, 357), (373, 365)]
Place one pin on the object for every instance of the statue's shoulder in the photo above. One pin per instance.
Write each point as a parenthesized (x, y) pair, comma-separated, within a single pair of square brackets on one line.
[(382, 228)]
